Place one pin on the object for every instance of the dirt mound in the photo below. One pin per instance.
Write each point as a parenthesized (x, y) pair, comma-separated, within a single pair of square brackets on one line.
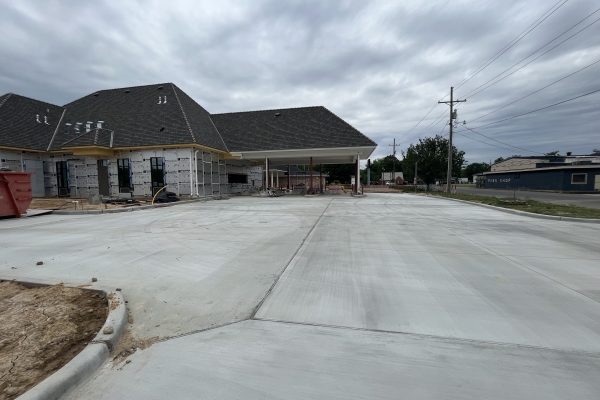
[(41, 329)]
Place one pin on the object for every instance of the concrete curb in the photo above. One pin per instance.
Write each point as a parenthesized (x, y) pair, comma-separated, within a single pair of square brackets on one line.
[(523, 213), (134, 208), (75, 371), (89, 359), (116, 321)]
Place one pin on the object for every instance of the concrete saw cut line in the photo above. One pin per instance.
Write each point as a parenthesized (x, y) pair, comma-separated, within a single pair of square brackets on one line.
[(292, 258)]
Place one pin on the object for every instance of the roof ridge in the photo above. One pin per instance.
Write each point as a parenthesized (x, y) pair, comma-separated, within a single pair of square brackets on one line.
[(134, 87), (6, 98), (116, 89), (187, 122), (218, 132), (268, 109), (56, 129), (30, 98), (76, 137)]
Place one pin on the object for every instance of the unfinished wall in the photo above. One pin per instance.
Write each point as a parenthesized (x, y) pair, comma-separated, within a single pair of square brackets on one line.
[(211, 171), (255, 177), (176, 171), (82, 175), (208, 172), (28, 162)]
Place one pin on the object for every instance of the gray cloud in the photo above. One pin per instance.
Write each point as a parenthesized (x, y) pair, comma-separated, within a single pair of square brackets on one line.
[(379, 65)]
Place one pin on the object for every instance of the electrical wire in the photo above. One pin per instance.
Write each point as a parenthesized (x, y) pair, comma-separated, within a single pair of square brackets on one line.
[(539, 109), (422, 119), (499, 141), (498, 78), (536, 91), (463, 134), (513, 42)]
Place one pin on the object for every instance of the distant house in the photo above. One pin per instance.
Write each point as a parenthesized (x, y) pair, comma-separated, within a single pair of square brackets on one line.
[(133, 141), (573, 173), (392, 177), (292, 177)]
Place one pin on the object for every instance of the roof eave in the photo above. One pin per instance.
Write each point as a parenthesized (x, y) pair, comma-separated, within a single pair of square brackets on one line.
[(323, 155)]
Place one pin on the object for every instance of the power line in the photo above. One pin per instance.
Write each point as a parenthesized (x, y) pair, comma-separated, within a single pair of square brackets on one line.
[(493, 81), (422, 119), (499, 141), (437, 120), (539, 109), (513, 42), (443, 128), (462, 133), (537, 91)]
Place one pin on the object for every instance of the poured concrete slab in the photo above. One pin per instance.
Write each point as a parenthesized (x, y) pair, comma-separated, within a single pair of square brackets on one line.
[(266, 360), (422, 265), (181, 268), (475, 303)]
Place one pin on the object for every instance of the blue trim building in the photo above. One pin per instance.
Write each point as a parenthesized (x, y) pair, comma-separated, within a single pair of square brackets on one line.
[(569, 173), (564, 178)]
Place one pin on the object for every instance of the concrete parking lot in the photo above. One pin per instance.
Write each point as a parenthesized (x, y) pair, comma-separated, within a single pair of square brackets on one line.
[(388, 296)]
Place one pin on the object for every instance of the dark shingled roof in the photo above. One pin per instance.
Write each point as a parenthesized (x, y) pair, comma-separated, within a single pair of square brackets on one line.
[(140, 116), (19, 127), (289, 128), (137, 118), (95, 137)]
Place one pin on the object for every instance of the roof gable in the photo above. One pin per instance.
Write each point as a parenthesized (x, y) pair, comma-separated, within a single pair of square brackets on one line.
[(151, 115), (290, 128), (134, 114)]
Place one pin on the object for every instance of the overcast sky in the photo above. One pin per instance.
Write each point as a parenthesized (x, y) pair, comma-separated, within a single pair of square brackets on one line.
[(382, 66)]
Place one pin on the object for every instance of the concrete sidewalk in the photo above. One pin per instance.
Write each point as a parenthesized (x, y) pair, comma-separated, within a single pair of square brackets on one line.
[(386, 296)]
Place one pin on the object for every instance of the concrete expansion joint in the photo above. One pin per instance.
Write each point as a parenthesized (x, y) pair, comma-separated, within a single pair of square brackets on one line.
[(196, 331), (436, 337), (298, 249)]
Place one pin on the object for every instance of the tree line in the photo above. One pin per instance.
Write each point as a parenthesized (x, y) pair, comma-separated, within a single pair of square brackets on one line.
[(430, 158)]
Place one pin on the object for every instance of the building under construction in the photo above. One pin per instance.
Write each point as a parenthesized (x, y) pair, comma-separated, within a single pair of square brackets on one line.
[(134, 141)]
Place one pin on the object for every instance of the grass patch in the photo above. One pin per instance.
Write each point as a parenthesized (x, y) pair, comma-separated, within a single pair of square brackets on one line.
[(532, 206)]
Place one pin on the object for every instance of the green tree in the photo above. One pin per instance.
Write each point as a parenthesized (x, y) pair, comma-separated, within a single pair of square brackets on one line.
[(553, 153), (386, 164), (475, 168), (432, 157), (339, 172)]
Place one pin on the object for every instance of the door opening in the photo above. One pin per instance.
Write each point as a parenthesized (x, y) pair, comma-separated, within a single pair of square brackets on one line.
[(103, 181), (62, 178), (157, 173)]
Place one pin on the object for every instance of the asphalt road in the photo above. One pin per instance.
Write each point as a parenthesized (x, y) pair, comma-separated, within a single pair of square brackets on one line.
[(387, 296), (591, 200)]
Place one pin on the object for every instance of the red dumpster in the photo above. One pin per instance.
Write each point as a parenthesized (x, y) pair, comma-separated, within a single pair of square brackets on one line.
[(15, 193)]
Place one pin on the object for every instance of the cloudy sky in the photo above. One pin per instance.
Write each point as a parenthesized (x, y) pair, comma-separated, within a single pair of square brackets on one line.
[(382, 66)]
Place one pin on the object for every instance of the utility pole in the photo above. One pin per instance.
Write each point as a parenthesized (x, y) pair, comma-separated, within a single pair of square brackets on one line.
[(416, 166), (452, 117), (416, 180), (394, 162)]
